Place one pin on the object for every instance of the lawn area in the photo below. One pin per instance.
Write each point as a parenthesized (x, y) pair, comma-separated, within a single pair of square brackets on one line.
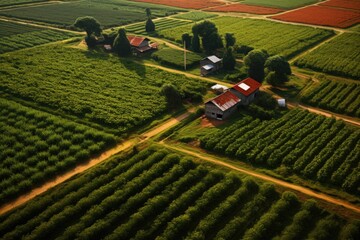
[(276, 38), (107, 12), (91, 85), (340, 56), (15, 36), (36, 146), (286, 4), (161, 194)]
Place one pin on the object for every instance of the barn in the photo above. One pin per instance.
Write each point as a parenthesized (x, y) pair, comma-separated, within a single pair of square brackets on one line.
[(141, 44), (210, 65), (222, 106), (246, 90)]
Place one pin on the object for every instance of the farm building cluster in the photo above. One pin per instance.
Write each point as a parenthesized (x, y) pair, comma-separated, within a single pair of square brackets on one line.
[(225, 104), (139, 45)]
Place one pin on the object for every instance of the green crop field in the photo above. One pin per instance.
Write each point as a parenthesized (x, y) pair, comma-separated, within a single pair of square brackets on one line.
[(16, 2), (276, 38), (17, 36), (334, 96), (340, 56), (195, 16), (307, 144), (107, 12), (286, 4), (161, 24), (97, 87), (157, 194), (175, 58), (35, 146)]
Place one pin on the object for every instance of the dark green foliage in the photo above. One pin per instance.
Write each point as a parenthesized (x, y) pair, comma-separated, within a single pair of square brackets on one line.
[(89, 24), (90, 41), (243, 49), (229, 40), (172, 96), (278, 68), (121, 44), (211, 40), (186, 40), (229, 60), (149, 25), (195, 43), (255, 61)]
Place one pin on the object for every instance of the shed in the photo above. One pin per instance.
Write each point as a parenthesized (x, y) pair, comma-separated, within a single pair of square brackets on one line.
[(218, 88), (210, 65), (246, 90), (222, 106), (281, 102), (141, 44)]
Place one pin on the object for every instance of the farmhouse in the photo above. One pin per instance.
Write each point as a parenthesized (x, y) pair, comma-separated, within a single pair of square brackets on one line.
[(242, 93), (141, 44), (210, 65)]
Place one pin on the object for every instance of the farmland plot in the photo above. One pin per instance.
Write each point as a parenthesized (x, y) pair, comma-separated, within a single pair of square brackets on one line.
[(16, 2), (340, 56), (157, 194), (17, 36), (276, 38), (192, 4), (103, 89), (246, 9), (175, 58), (195, 16), (349, 4), (307, 144), (285, 4), (161, 24), (36, 146), (107, 12)]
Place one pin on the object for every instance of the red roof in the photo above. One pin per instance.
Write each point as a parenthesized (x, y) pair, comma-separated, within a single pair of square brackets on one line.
[(225, 100), (135, 41), (247, 86)]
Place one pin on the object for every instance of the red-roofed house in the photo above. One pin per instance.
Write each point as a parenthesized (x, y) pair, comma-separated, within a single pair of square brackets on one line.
[(141, 44), (222, 106), (246, 90)]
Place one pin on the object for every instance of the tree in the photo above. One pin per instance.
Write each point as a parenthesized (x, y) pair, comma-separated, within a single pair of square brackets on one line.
[(229, 40), (89, 24), (148, 12), (172, 95), (255, 61), (149, 26), (211, 40), (121, 43), (229, 60), (186, 38), (278, 70), (195, 43)]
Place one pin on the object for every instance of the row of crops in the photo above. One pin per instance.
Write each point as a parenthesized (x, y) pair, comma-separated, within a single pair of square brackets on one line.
[(97, 87), (195, 16), (107, 12), (35, 146), (339, 97), (175, 58), (276, 38), (340, 56), (307, 144), (157, 194), (164, 23), (16, 2)]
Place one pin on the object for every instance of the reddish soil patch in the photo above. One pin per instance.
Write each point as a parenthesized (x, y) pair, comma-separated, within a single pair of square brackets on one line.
[(326, 16), (192, 4), (206, 122), (246, 9), (349, 4)]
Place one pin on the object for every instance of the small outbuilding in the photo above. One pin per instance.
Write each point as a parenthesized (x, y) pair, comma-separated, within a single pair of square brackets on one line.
[(281, 102), (141, 45), (218, 88), (246, 90), (210, 65), (222, 106)]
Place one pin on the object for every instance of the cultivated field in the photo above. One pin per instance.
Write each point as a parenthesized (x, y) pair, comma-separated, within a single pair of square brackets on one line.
[(18, 36), (163, 195), (340, 56), (97, 87), (334, 96), (16, 2), (35, 146), (276, 38), (195, 16), (107, 12), (320, 15), (303, 143), (161, 24), (246, 9), (175, 58), (286, 4), (349, 4), (193, 4)]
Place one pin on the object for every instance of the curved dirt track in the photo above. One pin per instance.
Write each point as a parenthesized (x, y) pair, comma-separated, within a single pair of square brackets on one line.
[(85, 166), (279, 182)]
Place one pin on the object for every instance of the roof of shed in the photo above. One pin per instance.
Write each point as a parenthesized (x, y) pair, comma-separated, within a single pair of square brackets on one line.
[(213, 59), (247, 86), (225, 101), (136, 41)]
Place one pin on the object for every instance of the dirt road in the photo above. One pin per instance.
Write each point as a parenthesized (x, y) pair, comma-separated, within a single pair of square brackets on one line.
[(282, 183), (85, 166)]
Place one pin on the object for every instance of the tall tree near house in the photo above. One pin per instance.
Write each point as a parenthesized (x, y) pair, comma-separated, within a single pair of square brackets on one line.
[(148, 12), (229, 40), (121, 44), (172, 96), (278, 70), (91, 26), (255, 62), (211, 40), (229, 60), (195, 43), (149, 25), (186, 38)]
